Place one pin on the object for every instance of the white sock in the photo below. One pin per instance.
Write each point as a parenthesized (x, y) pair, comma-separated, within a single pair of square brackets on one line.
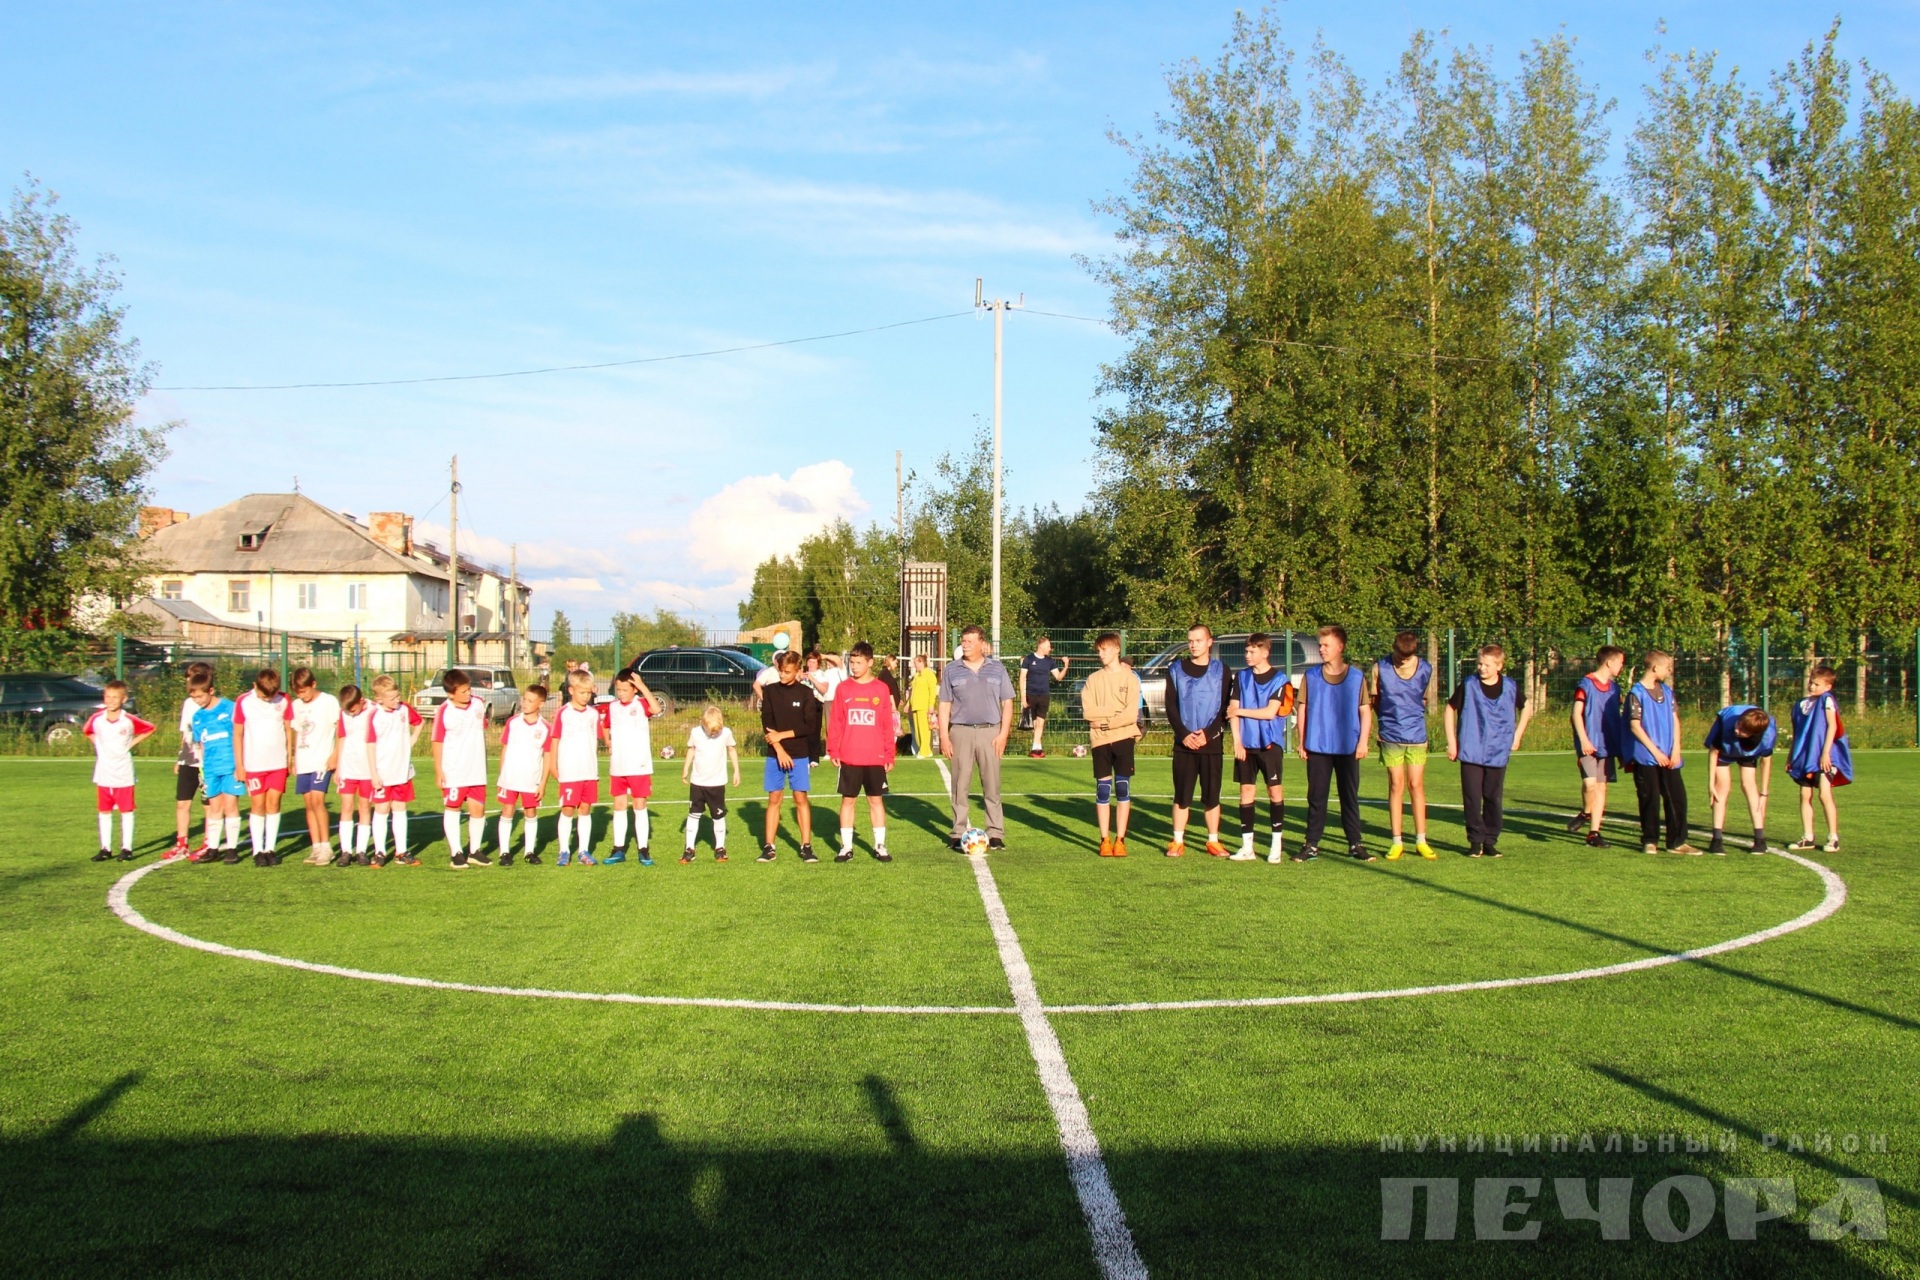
[(693, 828), (566, 835), (506, 831), (719, 833), (619, 828), (106, 831), (450, 824), (126, 832), (232, 825), (530, 819), (272, 832), (1273, 843), (880, 837), (380, 824), (642, 828), (477, 833), (1179, 835), (586, 833), (256, 830), (349, 835), (846, 839), (1246, 841), (400, 831)]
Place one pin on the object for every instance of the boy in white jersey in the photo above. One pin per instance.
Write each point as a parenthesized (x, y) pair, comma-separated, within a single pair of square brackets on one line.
[(710, 749), (115, 732), (392, 729), (316, 754), (186, 773), (262, 749), (630, 763), (356, 780), (578, 728), (523, 771), (460, 767)]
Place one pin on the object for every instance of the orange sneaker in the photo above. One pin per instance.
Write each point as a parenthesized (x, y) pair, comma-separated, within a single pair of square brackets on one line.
[(1176, 849), (1106, 848), (1120, 847), (1215, 849)]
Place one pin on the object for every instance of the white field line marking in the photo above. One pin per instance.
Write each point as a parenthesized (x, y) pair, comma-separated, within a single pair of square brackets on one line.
[(117, 901), (1835, 898), (1113, 1247)]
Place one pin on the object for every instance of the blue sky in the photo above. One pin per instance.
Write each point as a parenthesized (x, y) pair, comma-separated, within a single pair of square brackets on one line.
[(345, 192)]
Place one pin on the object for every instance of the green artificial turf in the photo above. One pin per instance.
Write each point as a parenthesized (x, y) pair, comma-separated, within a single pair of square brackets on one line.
[(165, 1111)]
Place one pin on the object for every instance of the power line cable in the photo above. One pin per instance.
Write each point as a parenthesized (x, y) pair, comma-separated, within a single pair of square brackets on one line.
[(572, 368), (1311, 346)]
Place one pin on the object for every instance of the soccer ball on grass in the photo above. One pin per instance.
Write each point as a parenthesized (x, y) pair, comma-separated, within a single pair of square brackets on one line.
[(666, 753), (1079, 750), (974, 842)]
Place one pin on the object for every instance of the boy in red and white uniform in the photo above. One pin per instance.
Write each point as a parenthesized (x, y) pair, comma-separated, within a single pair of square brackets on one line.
[(316, 755), (391, 731), (523, 771), (356, 779), (115, 732), (861, 729), (263, 748), (578, 729), (630, 763), (460, 767)]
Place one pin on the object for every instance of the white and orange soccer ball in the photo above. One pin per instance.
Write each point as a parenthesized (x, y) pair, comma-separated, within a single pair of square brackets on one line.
[(973, 842), (666, 753)]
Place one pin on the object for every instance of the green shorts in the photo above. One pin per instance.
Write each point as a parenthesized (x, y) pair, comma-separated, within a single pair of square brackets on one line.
[(1395, 753)]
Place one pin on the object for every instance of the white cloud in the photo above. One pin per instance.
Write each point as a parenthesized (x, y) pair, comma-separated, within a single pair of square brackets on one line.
[(752, 84), (759, 516)]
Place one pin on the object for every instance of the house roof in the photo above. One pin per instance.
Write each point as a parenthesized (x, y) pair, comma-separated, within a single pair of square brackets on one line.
[(184, 610), (188, 611), (300, 536)]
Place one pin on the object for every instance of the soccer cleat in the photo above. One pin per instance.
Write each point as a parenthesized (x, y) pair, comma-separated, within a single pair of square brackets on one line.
[(881, 855), (1424, 849), (479, 858), (1359, 854), (1120, 846), (995, 844), (105, 855), (179, 848), (259, 859), (408, 859), (767, 854), (1176, 849), (1307, 854), (566, 856), (1243, 854), (1106, 847), (586, 859), (379, 860), (459, 861), (615, 858), (533, 860), (506, 857), (1035, 753), (1493, 851), (1396, 851), (807, 854), (231, 857), (686, 858), (1687, 849), (1804, 844), (719, 855), (1832, 845), (646, 857), (126, 855), (1579, 820), (1595, 840), (1215, 849), (845, 855)]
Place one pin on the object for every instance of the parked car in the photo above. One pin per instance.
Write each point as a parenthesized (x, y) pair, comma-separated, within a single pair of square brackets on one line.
[(697, 675), (492, 685), (53, 707), (1232, 651)]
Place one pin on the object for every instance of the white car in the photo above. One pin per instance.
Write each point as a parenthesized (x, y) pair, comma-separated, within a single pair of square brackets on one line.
[(492, 685)]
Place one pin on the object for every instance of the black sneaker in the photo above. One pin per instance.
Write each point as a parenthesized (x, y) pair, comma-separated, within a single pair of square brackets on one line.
[(126, 855), (1493, 851), (845, 855), (767, 854), (881, 855), (1759, 845), (807, 854), (479, 858), (1595, 840), (1359, 854), (105, 855), (260, 860), (533, 859), (1718, 844), (1308, 854), (995, 842), (231, 857), (954, 844), (460, 861), (1579, 820), (719, 855), (1474, 851), (506, 857)]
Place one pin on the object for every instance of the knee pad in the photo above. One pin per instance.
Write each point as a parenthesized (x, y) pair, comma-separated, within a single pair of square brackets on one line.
[(1122, 788), (1103, 789)]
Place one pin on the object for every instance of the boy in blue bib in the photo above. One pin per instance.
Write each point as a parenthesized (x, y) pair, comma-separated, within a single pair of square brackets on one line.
[(1261, 705), (1821, 759), (1598, 738), (1486, 717), (1741, 737), (1399, 694), (1335, 718), (1653, 750)]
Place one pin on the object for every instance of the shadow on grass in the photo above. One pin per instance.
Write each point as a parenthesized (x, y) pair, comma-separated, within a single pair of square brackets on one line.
[(640, 1203)]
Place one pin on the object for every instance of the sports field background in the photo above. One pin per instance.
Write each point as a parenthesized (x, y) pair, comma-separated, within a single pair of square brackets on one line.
[(166, 1111)]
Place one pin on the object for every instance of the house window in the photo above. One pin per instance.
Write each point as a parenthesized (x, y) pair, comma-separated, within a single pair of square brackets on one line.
[(173, 589), (239, 595), (307, 595), (356, 595)]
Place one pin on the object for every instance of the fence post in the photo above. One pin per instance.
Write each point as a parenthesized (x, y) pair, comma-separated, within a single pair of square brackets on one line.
[(1453, 665), (1766, 672), (119, 657), (1916, 688), (283, 659)]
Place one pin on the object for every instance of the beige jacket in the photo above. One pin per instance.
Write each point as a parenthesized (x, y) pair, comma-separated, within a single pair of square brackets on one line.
[(1111, 696)]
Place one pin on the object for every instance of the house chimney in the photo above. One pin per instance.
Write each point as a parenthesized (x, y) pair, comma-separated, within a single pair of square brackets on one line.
[(392, 530), (154, 519)]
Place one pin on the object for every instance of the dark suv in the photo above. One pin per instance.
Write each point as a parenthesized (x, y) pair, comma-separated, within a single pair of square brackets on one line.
[(695, 675), (53, 707)]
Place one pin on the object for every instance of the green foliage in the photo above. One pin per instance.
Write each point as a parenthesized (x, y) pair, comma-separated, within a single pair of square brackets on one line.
[(72, 462)]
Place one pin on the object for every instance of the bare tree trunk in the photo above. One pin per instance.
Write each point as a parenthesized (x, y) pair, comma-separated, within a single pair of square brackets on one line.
[(1860, 677), (1726, 662), (1433, 662)]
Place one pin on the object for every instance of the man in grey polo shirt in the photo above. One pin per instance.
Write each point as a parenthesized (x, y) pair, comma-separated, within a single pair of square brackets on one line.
[(976, 715)]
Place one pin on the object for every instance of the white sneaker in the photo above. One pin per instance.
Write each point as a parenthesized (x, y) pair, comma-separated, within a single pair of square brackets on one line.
[(1243, 855), (1832, 845)]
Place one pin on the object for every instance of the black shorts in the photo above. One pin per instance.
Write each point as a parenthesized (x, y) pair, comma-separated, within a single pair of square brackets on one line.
[(1037, 704), (186, 782), (1190, 767), (1261, 763), (711, 801), (872, 777), (1114, 759)]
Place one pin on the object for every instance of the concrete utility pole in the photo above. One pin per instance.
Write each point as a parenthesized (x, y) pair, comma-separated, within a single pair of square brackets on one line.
[(999, 308), (453, 566)]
